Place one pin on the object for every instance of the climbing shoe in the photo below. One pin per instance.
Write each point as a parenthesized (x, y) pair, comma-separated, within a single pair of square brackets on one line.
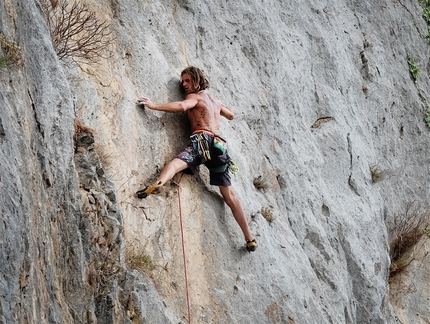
[(151, 190), (251, 246)]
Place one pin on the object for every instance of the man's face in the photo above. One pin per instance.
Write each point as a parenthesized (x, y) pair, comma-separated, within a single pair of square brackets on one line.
[(187, 83)]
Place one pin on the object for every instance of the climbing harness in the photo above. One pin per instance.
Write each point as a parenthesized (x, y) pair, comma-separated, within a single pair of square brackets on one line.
[(201, 145), (183, 250), (204, 145)]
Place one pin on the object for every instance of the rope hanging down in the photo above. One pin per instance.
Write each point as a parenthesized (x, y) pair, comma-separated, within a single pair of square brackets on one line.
[(183, 250)]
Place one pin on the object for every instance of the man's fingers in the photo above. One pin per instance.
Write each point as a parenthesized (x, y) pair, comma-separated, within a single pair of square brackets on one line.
[(143, 100)]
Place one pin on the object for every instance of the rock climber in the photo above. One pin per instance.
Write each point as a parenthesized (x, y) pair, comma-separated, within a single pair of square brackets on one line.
[(206, 147)]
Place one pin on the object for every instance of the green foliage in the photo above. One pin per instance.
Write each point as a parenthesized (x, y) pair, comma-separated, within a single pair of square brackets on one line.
[(136, 259), (427, 36), (427, 118), (415, 71), (10, 54), (425, 4), (426, 14), (4, 62)]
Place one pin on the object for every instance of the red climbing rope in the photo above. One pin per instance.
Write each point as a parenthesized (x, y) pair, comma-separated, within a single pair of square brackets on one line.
[(183, 250)]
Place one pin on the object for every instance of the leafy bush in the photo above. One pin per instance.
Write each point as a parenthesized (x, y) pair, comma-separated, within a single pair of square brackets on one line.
[(415, 71), (425, 4), (136, 259), (427, 118), (10, 53)]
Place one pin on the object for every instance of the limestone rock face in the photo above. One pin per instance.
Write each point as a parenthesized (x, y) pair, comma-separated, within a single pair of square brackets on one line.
[(324, 101)]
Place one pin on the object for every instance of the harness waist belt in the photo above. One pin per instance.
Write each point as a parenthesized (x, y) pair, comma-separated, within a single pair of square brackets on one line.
[(204, 131)]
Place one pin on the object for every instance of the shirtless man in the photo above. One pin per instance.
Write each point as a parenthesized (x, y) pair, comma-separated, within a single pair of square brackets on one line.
[(203, 112)]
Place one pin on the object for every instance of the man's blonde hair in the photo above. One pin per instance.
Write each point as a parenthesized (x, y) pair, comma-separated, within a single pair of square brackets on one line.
[(199, 80)]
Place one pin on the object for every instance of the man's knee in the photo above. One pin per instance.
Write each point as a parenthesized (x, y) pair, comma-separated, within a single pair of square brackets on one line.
[(171, 169), (176, 165), (228, 195)]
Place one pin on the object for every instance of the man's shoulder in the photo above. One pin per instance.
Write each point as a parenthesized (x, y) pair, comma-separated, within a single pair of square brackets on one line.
[(193, 96), (201, 97)]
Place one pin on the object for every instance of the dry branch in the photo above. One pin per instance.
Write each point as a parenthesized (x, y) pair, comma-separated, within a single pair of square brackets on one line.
[(76, 32), (408, 229)]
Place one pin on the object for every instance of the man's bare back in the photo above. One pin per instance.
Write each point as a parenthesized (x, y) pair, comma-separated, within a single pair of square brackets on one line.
[(205, 115)]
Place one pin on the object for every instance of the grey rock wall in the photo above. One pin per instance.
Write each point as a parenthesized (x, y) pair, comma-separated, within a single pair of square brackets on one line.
[(60, 256), (38, 200), (322, 93)]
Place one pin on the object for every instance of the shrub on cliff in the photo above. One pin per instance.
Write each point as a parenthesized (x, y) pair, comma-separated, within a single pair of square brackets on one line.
[(77, 34), (407, 231), (10, 54)]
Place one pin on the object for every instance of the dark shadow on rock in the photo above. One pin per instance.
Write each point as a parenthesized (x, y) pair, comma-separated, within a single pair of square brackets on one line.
[(173, 89)]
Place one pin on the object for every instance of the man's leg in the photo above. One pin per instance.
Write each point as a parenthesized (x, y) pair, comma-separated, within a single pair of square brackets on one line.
[(169, 171), (236, 208)]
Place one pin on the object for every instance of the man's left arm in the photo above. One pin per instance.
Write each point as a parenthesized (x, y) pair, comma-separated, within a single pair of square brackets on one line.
[(226, 112)]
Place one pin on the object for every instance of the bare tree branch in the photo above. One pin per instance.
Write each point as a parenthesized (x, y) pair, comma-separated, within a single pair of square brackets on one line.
[(76, 33)]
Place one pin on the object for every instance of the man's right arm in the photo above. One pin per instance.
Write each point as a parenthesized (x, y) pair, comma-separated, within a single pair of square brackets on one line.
[(174, 107)]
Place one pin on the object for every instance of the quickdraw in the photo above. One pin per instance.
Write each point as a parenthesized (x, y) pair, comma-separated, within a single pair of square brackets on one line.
[(201, 145)]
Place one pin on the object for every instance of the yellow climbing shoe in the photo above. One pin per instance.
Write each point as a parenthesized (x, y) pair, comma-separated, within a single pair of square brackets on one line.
[(251, 246), (151, 190)]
